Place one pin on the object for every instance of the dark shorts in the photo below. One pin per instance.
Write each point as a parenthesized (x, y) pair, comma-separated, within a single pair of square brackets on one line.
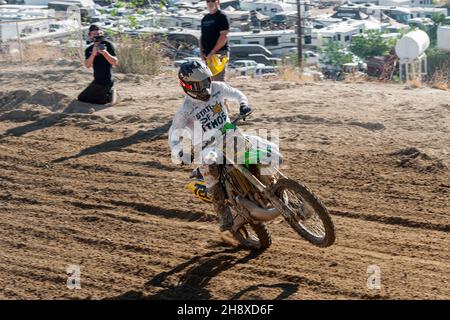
[(96, 93), (219, 77)]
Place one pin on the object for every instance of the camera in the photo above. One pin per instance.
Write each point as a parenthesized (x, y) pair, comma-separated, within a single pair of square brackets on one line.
[(99, 38), (101, 46)]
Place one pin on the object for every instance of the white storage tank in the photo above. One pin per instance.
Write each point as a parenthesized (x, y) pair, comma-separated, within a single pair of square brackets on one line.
[(412, 45), (443, 38)]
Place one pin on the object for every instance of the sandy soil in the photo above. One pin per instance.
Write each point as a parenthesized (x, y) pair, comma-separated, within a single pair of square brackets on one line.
[(94, 187)]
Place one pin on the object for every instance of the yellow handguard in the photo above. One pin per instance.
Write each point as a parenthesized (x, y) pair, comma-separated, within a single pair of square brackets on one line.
[(198, 187), (217, 63)]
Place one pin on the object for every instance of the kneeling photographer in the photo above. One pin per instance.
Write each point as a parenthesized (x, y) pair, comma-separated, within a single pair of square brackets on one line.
[(100, 55)]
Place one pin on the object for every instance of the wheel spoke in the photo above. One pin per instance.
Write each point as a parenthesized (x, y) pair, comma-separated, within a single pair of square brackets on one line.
[(310, 221), (304, 212)]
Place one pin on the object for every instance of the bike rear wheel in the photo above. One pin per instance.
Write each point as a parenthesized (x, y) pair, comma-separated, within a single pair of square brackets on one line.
[(305, 213), (254, 236)]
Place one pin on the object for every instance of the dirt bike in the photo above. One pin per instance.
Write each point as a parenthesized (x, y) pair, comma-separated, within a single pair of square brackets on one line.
[(256, 199)]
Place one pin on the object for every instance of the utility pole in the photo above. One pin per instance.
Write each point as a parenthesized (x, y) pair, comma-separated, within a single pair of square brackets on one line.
[(299, 35)]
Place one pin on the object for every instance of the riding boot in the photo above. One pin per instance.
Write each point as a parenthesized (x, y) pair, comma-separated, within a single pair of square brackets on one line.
[(217, 194)]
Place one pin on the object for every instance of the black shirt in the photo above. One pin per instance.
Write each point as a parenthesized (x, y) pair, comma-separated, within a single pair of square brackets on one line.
[(212, 24), (102, 68)]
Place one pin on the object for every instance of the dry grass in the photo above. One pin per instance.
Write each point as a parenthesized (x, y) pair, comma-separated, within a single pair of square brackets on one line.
[(356, 77), (289, 73), (441, 79), (139, 55), (415, 83), (40, 51), (136, 55)]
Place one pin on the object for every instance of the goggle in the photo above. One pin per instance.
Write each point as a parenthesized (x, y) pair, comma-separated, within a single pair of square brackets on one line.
[(196, 86)]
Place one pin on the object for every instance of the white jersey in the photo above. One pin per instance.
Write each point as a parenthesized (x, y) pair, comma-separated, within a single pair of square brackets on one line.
[(211, 115)]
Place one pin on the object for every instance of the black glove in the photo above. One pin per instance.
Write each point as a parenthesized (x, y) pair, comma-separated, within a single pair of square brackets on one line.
[(244, 109)]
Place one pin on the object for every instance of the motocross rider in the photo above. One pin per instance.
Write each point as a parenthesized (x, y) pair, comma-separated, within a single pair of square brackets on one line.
[(204, 103)]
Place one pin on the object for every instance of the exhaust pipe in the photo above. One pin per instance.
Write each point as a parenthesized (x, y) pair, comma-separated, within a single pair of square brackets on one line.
[(258, 213)]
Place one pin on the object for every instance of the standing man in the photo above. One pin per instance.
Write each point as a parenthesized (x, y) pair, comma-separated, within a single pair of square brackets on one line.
[(214, 37), (101, 55)]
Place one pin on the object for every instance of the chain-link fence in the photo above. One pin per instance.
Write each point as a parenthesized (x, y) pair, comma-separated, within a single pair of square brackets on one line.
[(47, 38)]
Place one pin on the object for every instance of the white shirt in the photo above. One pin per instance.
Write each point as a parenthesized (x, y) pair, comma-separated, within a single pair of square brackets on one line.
[(210, 115)]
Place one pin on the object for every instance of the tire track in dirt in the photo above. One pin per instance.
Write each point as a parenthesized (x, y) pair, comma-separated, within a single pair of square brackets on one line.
[(396, 221), (102, 194)]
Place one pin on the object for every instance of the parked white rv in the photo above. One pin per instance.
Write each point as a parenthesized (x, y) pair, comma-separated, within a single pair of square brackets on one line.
[(88, 6), (399, 13), (268, 8), (238, 19), (397, 3), (180, 20), (278, 42), (406, 3), (422, 12), (20, 12), (342, 32)]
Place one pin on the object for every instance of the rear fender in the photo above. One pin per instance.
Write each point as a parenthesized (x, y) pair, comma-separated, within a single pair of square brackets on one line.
[(199, 189)]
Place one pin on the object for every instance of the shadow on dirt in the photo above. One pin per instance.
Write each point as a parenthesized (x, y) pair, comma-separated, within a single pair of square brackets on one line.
[(119, 144), (40, 124), (288, 289), (161, 166), (196, 274), (187, 215)]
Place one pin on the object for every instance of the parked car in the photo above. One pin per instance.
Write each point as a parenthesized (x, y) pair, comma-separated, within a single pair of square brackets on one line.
[(243, 67), (263, 71), (263, 59), (310, 58)]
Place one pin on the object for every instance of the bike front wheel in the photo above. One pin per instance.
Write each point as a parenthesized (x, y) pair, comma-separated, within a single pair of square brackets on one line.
[(305, 213)]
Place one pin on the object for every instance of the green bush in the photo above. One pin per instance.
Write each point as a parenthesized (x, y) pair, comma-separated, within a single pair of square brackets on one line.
[(371, 43), (438, 19), (335, 55), (437, 60)]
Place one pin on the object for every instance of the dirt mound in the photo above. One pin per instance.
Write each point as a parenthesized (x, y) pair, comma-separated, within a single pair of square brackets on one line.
[(135, 78), (24, 105), (412, 157), (22, 115), (67, 63), (13, 99), (76, 106), (131, 119), (51, 100), (54, 101)]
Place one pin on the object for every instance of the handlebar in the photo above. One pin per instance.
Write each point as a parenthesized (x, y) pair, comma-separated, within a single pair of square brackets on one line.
[(241, 117)]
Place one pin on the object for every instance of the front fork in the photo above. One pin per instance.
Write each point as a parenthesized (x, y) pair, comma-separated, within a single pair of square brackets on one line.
[(243, 216)]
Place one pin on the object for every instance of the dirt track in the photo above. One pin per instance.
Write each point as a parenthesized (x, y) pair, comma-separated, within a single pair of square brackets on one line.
[(96, 188)]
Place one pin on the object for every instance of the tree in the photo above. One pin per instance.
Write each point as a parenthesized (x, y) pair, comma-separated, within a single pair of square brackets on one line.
[(437, 60), (371, 43), (335, 55), (438, 19)]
